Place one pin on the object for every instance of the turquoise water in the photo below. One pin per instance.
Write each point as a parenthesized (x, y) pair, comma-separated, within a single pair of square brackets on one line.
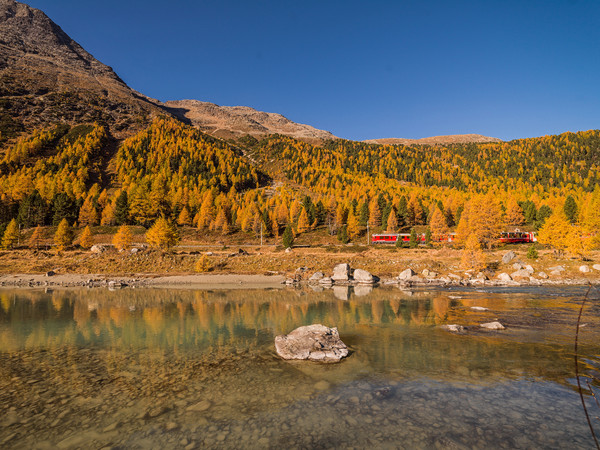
[(158, 368)]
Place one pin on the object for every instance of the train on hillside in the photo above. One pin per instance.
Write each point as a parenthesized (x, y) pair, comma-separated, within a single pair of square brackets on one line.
[(506, 237)]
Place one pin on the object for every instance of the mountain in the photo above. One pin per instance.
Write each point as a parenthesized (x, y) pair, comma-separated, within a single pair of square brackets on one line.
[(237, 121), (45, 76), (443, 140)]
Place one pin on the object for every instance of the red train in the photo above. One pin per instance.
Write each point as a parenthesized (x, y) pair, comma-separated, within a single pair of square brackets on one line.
[(506, 237)]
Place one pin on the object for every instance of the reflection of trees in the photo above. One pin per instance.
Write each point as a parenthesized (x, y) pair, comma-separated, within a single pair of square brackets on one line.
[(390, 327)]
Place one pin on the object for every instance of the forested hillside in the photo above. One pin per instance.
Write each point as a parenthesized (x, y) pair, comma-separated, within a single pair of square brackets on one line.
[(172, 170)]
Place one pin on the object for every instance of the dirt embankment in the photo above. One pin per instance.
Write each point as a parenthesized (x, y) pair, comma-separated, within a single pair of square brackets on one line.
[(271, 265)]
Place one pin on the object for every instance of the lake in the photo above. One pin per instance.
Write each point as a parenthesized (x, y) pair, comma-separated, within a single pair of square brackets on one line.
[(185, 368)]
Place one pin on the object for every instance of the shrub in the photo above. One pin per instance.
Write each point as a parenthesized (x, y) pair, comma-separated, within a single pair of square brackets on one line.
[(532, 253), (203, 264)]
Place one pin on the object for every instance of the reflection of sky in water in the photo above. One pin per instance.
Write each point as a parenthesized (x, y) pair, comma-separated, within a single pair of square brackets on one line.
[(406, 380)]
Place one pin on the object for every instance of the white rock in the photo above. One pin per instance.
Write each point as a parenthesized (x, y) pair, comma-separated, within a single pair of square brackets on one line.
[(97, 248), (363, 277), (406, 274), (520, 274), (596, 267), (504, 277), (482, 276), (425, 272), (454, 328), (478, 308), (508, 257), (557, 269), (517, 266), (316, 276), (341, 272), (288, 250), (454, 276), (543, 275), (529, 268), (492, 326), (313, 342), (584, 269)]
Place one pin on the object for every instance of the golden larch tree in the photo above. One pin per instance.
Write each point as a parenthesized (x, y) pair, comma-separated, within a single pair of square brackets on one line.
[(86, 239), (303, 224), (37, 237), (514, 214), (162, 234), (11, 235), (64, 235), (123, 238), (438, 225)]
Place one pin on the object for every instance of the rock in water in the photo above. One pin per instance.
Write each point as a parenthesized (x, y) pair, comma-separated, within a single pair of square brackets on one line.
[(492, 326), (341, 272), (406, 274), (363, 277), (454, 328), (313, 342)]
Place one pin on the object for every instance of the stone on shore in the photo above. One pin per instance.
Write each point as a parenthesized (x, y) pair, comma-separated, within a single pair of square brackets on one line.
[(492, 326), (478, 308), (316, 277), (406, 274), (312, 342), (584, 269), (362, 276), (508, 257), (98, 248), (596, 267), (522, 273), (341, 272), (543, 275), (504, 277)]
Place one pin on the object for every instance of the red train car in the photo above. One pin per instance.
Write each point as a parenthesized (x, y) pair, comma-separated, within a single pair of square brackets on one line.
[(506, 237), (517, 237)]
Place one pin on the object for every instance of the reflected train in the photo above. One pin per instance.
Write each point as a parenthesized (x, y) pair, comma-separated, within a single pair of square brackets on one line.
[(506, 237)]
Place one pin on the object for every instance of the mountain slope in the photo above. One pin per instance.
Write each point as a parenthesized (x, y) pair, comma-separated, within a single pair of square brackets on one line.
[(443, 140), (45, 76), (236, 121)]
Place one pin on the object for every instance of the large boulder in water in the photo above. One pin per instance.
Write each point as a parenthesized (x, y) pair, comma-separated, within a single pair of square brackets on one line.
[(341, 272), (313, 342), (363, 277)]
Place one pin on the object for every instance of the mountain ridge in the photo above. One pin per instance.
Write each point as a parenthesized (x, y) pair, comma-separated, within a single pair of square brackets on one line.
[(237, 121), (445, 139)]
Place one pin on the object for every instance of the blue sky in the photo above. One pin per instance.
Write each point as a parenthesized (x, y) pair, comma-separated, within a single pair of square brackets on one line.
[(361, 70)]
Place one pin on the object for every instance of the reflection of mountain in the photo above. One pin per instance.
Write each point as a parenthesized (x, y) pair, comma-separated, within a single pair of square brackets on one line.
[(394, 331)]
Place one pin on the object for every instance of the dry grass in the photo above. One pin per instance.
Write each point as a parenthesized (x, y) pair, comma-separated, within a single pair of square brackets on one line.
[(382, 261)]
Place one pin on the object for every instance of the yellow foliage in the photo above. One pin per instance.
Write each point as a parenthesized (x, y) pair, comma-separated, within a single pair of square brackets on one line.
[(123, 238)]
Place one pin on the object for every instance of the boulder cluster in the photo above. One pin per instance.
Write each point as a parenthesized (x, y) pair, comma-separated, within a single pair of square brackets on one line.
[(344, 275)]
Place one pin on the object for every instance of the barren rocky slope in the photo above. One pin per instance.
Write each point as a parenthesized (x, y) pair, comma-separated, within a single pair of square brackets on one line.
[(236, 121), (46, 76), (450, 139)]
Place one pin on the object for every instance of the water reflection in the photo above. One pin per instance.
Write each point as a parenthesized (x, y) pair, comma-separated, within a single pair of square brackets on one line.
[(205, 359)]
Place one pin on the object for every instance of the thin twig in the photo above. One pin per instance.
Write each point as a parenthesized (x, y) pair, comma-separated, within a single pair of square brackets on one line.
[(587, 416), (593, 393)]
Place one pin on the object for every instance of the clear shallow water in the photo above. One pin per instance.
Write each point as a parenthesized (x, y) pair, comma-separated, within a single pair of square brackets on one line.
[(153, 368)]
